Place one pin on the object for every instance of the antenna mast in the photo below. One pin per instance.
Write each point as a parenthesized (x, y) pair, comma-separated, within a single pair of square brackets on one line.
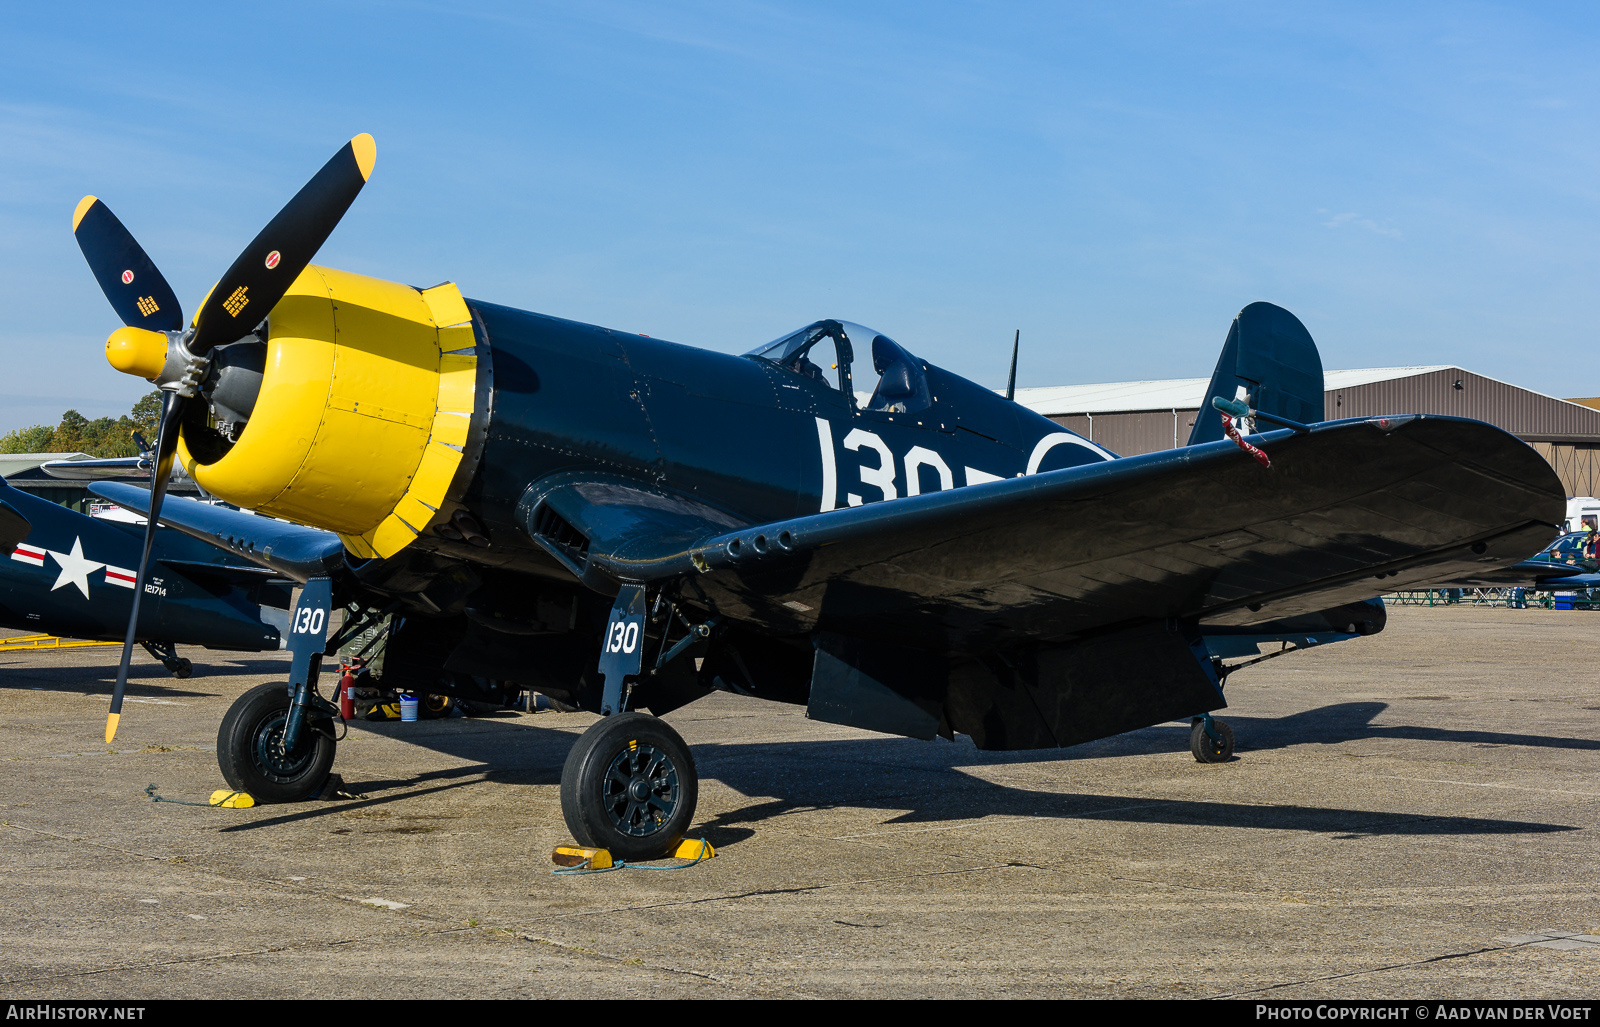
[(1011, 382)]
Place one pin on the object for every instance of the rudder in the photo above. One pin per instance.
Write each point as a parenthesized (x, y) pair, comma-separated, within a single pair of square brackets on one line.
[(1270, 355)]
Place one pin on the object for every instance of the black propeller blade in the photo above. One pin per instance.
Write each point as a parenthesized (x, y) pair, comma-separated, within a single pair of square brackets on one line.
[(137, 291), (274, 259), (172, 407), (252, 286)]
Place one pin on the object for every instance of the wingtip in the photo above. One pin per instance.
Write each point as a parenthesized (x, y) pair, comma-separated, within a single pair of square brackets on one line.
[(111, 726), (366, 150), (82, 209)]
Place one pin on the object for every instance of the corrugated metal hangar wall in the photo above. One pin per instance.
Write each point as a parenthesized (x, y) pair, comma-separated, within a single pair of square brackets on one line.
[(1565, 433)]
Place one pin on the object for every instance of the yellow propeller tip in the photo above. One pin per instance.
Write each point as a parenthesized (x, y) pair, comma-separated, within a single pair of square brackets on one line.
[(83, 208), (111, 726), (366, 150)]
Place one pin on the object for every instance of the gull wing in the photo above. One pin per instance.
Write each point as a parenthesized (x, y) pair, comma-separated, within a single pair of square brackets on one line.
[(1349, 510)]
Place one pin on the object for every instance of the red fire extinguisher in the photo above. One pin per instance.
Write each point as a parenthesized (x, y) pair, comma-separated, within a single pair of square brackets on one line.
[(347, 698)]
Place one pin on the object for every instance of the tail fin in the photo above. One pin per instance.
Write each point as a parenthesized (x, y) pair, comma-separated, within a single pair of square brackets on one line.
[(1270, 358)]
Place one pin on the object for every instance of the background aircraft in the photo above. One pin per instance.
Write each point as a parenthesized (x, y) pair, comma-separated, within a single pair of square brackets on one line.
[(625, 523), (73, 575), (1568, 563)]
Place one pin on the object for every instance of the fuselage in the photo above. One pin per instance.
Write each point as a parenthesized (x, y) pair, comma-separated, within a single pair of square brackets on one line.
[(743, 434), (386, 413), (73, 576)]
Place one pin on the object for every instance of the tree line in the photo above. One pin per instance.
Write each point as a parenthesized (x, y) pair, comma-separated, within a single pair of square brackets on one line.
[(103, 436)]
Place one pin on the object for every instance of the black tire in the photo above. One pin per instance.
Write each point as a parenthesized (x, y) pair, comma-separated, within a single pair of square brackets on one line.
[(1205, 748), (181, 668), (247, 743), (435, 707), (629, 785)]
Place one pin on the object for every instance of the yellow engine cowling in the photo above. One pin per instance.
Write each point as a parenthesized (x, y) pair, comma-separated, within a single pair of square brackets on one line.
[(364, 409)]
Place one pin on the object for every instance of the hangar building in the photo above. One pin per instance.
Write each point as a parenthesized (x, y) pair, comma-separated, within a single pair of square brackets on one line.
[(21, 470), (1130, 418)]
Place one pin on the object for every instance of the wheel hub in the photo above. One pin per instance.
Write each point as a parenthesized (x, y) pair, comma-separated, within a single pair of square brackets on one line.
[(269, 754), (640, 790)]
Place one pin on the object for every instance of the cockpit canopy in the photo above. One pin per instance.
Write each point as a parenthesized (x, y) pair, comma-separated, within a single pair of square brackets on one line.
[(824, 346)]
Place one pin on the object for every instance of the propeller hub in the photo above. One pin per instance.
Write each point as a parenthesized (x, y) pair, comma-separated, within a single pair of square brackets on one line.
[(137, 351)]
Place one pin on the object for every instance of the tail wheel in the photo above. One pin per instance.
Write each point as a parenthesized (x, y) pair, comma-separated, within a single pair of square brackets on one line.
[(250, 752), (1207, 749), (629, 785)]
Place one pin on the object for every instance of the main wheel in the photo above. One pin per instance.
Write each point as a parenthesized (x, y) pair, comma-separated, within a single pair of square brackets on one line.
[(1207, 749), (629, 785), (251, 758)]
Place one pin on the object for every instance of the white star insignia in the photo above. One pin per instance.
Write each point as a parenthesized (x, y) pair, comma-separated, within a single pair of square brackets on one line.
[(75, 570)]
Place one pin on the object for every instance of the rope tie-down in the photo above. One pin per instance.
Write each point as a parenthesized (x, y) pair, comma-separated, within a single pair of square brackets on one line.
[(221, 798), (1233, 433), (1237, 410), (575, 860)]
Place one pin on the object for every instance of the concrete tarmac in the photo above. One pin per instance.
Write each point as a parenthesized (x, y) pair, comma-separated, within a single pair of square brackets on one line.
[(1408, 816)]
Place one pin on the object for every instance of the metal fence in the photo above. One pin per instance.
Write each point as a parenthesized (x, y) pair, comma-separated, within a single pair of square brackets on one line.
[(1512, 598)]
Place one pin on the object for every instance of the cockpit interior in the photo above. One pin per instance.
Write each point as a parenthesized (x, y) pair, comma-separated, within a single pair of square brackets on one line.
[(824, 351)]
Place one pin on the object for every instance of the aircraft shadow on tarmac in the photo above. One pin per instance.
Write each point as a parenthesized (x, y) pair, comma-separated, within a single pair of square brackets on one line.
[(146, 678), (1326, 725), (929, 783)]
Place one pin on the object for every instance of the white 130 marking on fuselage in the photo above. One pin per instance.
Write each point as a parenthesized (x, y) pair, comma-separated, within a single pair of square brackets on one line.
[(882, 476), (916, 459), (830, 473)]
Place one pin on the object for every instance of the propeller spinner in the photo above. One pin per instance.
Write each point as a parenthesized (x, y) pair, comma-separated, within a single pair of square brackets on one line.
[(152, 343)]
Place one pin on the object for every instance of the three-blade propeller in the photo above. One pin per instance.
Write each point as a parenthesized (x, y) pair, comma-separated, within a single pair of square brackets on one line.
[(177, 360)]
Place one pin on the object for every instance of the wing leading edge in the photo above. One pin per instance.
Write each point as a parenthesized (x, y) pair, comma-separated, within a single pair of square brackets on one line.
[(289, 549), (1349, 510)]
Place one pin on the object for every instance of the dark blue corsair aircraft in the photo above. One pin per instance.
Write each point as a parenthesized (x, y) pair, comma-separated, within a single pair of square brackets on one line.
[(1569, 563), (627, 524), (73, 575)]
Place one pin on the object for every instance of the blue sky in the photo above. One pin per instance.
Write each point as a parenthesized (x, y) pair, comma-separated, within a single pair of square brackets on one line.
[(1420, 183)]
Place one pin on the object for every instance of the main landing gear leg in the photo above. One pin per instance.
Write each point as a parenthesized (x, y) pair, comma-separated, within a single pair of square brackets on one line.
[(629, 784), (1210, 740), (277, 743)]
